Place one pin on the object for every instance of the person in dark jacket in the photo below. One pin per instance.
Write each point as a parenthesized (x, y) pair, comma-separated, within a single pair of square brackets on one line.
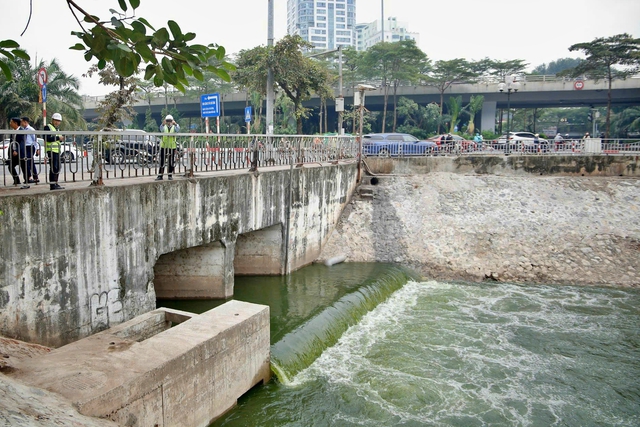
[(15, 147)]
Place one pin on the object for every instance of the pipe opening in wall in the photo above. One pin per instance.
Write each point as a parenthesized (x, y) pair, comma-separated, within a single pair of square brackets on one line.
[(374, 181)]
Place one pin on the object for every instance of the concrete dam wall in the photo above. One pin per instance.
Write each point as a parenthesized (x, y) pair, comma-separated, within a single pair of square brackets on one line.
[(527, 220), (82, 261)]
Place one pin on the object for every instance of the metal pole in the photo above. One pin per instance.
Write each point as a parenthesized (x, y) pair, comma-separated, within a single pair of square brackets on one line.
[(506, 150), (360, 136), (340, 88), (382, 18), (270, 93)]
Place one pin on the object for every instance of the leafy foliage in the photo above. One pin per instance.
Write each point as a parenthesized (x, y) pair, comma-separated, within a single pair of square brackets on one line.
[(117, 106), (557, 66), (602, 56), (498, 69), (129, 42), (10, 49), (297, 75), (475, 105), (19, 96)]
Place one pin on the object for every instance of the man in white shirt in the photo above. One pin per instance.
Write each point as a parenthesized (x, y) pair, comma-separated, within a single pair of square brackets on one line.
[(31, 148)]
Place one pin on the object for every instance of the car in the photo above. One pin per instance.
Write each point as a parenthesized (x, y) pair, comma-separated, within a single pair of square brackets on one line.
[(522, 140), (69, 152), (396, 144), (458, 144), (133, 144)]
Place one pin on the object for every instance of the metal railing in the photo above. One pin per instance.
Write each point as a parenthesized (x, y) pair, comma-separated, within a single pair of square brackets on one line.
[(98, 156), (592, 146)]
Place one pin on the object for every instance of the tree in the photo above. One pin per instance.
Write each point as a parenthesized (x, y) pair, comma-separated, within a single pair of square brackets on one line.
[(408, 61), (117, 106), (557, 66), (251, 75), (351, 75), (378, 62), (20, 95), (416, 119), (602, 55), (626, 122), (446, 73), (454, 104), (297, 75), (498, 69), (475, 105), (123, 41)]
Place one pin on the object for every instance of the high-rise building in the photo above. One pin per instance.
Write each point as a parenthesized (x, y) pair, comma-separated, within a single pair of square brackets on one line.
[(394, 31), (326, 24)]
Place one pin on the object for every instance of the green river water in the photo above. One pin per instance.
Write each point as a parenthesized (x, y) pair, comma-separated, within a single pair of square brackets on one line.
[(372, 345)]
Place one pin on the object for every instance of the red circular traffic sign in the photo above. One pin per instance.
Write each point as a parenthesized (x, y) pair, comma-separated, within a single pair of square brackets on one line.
[(42, 77), (578, 85)]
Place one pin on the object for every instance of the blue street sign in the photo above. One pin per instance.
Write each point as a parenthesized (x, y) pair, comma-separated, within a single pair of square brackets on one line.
[(247, 114), (44, 92), (210, 105)]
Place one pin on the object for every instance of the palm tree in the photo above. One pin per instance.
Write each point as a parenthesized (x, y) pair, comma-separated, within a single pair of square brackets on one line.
[(16, 94), (20, 96), (475, 105), (62, 96)]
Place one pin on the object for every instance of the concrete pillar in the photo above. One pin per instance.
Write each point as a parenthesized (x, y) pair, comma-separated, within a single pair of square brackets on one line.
[(199, 272), (260, 252), (488, 118)]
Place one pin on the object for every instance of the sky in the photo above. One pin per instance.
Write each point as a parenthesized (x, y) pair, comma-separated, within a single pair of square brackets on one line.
[(536, 32)]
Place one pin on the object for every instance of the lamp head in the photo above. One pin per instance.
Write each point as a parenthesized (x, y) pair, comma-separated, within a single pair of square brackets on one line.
[(363, 87)]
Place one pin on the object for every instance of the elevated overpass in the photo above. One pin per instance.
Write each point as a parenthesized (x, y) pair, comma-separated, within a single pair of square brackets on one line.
[(535, 92)]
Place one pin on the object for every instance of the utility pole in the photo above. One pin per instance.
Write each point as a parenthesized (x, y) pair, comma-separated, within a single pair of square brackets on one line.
[(270, 93), (382, 18)]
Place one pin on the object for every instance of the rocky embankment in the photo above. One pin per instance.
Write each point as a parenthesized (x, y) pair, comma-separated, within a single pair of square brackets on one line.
[(531, 229)]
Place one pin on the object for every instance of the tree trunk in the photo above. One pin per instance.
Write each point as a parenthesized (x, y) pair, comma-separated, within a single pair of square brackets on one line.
[(441, 109), (395, 106)]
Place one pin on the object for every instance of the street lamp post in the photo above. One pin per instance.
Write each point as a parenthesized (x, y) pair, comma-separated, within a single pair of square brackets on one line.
[(509, 85), (359, 100)]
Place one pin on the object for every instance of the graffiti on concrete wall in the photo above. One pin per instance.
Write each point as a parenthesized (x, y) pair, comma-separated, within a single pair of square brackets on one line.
[(106, 309)]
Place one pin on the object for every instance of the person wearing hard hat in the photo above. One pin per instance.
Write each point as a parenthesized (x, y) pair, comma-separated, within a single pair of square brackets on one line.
[(168, 146), (52, 148)]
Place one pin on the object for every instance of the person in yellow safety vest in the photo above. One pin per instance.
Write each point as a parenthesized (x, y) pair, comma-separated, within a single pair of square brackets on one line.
[(52, 148), (168, 147)]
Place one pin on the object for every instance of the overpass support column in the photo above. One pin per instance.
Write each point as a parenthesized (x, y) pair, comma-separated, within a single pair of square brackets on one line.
[(488, 117), (201, 272)]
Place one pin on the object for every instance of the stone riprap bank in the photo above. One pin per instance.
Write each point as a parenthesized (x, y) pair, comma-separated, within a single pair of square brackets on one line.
[(527, 228)]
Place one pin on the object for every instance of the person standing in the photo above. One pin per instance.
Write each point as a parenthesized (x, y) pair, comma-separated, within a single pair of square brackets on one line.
[(14, 149), (478, 140), (32, 148), (52, 148), (168, 147)]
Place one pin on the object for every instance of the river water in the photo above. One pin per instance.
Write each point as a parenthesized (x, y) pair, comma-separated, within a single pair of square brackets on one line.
[(372, 345)]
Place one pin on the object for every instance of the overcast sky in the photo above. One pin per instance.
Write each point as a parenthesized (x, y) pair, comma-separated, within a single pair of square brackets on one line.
[(537, 32)]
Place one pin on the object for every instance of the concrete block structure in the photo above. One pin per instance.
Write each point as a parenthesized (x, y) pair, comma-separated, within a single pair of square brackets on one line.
[(164, 368)]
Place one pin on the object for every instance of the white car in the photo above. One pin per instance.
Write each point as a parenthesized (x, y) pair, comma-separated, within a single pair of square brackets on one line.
[(526, 140), (68, 153)]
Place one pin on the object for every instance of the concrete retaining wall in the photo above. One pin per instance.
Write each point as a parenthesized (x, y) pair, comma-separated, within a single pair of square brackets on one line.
[(510, 165), (81, 261)]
